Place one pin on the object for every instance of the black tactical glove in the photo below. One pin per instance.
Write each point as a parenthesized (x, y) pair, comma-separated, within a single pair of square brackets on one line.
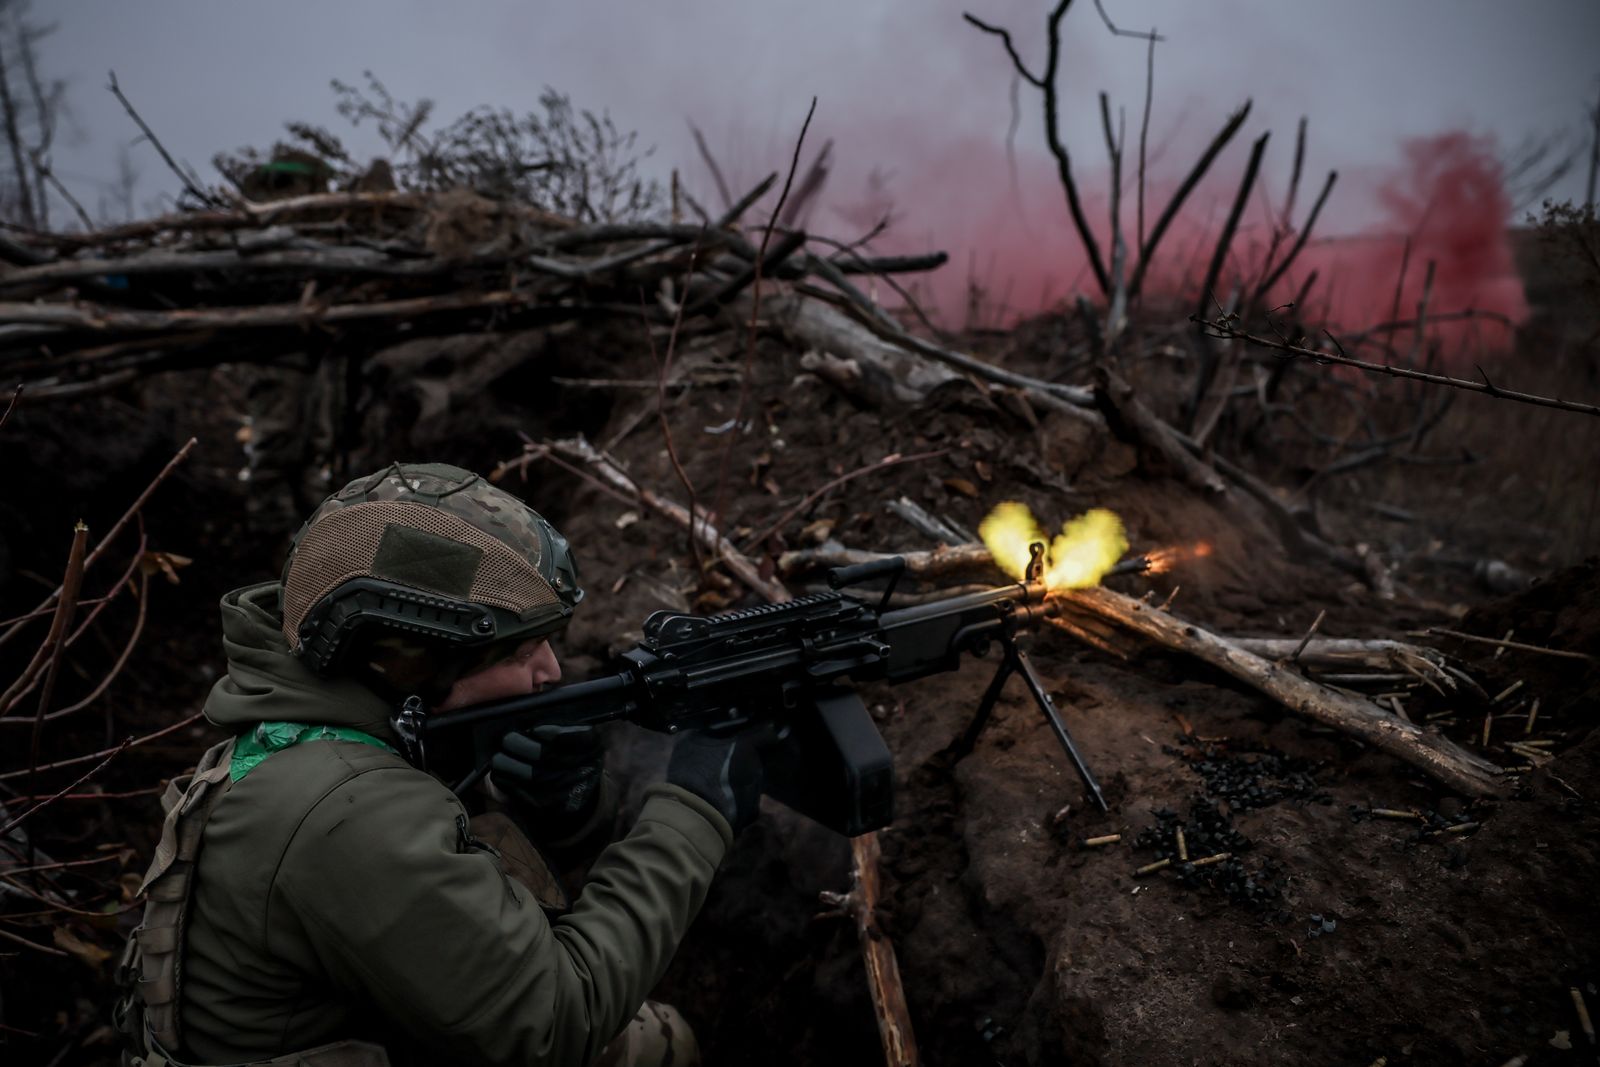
[(555, 774), (725, 772)]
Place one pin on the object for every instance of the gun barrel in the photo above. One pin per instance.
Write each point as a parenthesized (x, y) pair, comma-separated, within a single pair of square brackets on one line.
[(1024, 592)]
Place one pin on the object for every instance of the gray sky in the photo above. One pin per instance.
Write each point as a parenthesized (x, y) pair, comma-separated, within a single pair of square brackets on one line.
[(903, 86)]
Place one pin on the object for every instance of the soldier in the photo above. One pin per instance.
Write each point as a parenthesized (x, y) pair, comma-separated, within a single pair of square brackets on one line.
[(316, 899)]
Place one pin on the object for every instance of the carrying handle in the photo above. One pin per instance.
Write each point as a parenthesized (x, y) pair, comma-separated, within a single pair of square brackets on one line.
[(856, 573), (893, 567)]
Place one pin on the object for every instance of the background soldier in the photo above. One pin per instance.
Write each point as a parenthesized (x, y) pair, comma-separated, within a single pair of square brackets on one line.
[(317, 899)]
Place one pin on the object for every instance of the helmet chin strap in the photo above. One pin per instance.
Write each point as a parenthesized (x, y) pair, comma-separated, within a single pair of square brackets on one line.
[(409, 724)]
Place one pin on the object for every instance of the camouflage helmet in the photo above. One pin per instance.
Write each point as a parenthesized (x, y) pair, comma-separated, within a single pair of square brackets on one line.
[(424, 551)]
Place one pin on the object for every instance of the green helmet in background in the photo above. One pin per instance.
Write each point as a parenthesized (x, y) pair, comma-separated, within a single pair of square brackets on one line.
[(425, 553)]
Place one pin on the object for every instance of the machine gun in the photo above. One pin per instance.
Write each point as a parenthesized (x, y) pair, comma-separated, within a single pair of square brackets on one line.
[(781, 668)]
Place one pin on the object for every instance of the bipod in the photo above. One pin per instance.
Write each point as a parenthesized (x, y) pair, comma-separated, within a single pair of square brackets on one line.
[(1016, 661)]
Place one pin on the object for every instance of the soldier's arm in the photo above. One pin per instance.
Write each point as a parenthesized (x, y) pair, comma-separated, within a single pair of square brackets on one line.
[(405, 914)]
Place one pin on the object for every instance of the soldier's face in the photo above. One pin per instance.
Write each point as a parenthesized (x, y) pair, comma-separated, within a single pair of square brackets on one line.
[(527, 670)]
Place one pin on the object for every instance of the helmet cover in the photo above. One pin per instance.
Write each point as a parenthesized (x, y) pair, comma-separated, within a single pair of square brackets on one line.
[(424, 550)]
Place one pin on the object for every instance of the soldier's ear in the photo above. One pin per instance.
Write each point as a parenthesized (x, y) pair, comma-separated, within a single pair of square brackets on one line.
[(396, 667)]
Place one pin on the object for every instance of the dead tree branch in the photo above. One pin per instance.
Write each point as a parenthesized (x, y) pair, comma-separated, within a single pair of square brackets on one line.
[(1151, 36), (1117, 304), (1432, 754), (663, 368), (755, 318), (1192, 179), (77, 761), (613, 473), (1125, 411), (1046, 84), (47, 801), (811, 498), (1207, 296), (860, 905), (1317, 355), (711, 165), (1144, 129), (66, 606), (155, 142), (19, 158), (111, 536), (1300, 240)]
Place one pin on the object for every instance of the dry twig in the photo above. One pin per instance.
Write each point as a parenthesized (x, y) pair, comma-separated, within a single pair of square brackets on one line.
[(860, 904), (1317, 355)]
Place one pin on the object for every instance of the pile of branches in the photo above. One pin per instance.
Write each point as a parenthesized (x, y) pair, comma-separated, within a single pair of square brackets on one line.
[(254, 282)]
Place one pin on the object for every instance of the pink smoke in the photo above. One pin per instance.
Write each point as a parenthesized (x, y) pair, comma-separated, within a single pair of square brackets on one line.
[(1014, 253)]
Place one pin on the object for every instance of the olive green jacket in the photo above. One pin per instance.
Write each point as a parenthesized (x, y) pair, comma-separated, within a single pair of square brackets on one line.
[(339, 895)]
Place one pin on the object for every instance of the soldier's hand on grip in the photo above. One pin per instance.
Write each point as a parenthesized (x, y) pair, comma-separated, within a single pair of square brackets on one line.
[(554, 771), (725, 772)]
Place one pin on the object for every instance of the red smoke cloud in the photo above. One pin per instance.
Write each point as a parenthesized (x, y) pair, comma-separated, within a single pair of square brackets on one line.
[(1011, 239), (1448, 200)]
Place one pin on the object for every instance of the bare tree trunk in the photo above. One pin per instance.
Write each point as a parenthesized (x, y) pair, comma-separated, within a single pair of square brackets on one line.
[(18, 158), (44, 107), (1594, 152)]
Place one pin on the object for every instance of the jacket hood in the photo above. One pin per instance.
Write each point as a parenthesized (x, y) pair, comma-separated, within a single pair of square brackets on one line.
[(268, 683)]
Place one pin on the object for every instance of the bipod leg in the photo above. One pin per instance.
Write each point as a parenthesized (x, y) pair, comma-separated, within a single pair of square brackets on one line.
[(963, 747), (1021, 664)]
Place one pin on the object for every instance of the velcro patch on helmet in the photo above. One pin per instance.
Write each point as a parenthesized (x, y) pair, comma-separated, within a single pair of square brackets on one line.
[(424, 560)]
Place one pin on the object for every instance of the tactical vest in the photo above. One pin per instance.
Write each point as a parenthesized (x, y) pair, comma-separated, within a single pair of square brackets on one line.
[(151, 968)]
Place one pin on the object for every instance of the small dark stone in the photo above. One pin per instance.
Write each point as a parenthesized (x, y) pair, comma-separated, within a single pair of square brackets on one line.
[(1231, 992)]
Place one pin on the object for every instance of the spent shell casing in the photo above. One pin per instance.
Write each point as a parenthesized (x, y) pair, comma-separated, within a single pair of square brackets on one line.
[(1394, 813), (1183, 846), (1488, 721), (1104, 839), (1583, 1013), (1508, 690), (1533, 713), (1207, 860), (1151, 868)]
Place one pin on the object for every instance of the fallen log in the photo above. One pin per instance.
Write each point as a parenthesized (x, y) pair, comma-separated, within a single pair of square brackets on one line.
[(1431, 753), (1124, 410), (889, 373), (1348, 652), (860, 905), (873, 340), (937, 528)]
